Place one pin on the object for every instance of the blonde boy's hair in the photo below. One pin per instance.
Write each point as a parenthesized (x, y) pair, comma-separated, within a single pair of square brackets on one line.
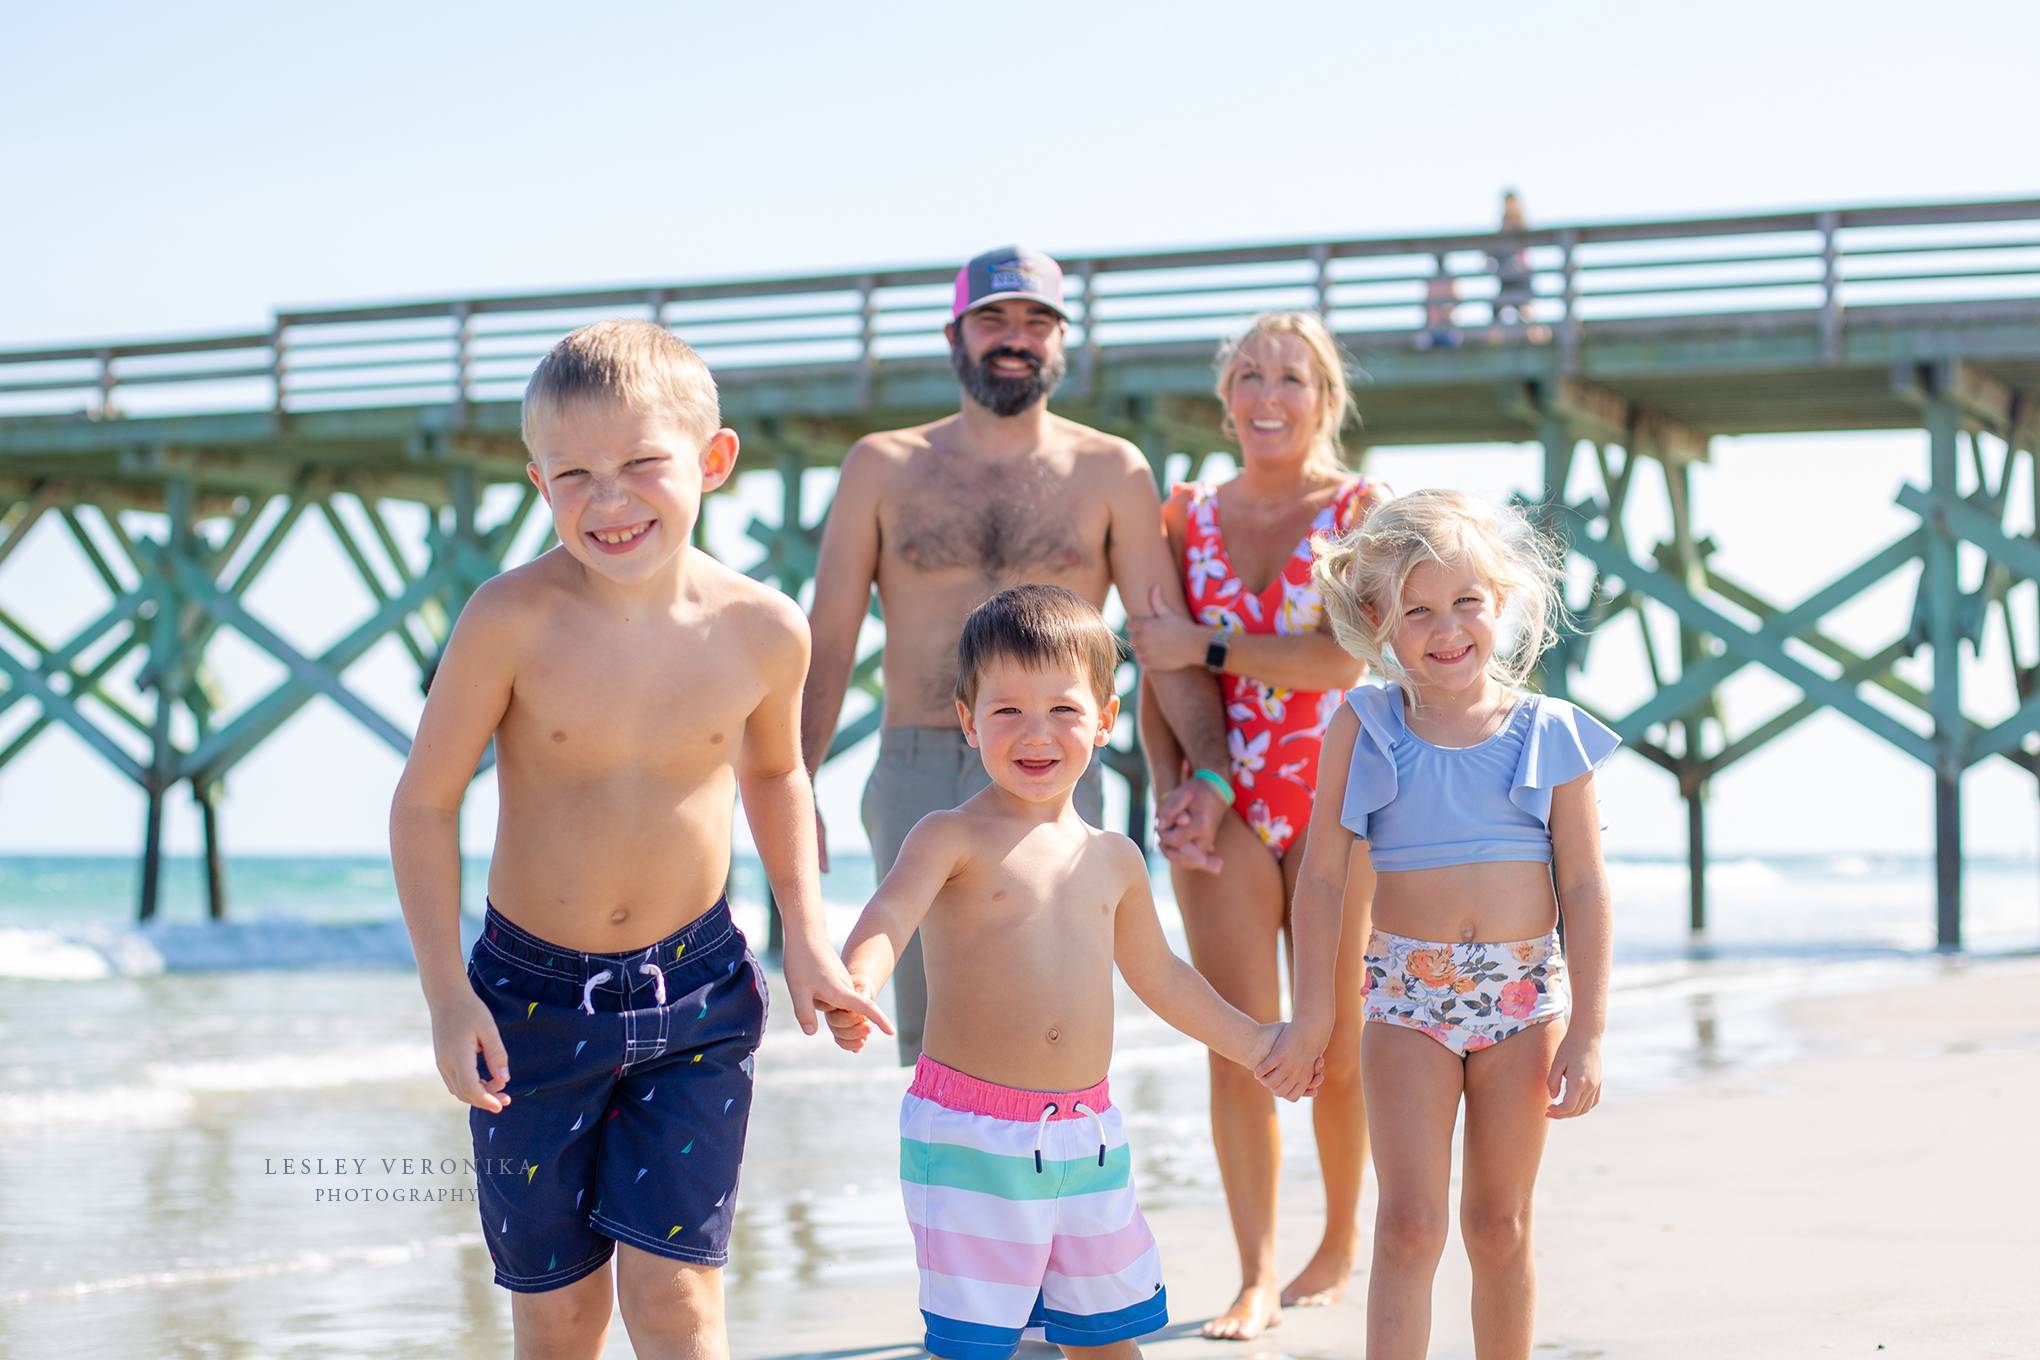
[(632, 363), (1361, 576), (1036, 626), (1335, 394)]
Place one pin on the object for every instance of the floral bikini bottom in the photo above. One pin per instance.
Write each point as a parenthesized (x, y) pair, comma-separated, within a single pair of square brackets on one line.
[(1467, 996)]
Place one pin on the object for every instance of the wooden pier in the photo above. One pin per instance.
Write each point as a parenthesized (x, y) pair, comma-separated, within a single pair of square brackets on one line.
[(1646, 340)]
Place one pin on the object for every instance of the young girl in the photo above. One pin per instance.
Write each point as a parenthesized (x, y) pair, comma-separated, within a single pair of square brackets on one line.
[(1474, 799)]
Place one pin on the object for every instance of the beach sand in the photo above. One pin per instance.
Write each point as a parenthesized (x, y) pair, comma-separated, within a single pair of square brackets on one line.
[(1878, 1194)]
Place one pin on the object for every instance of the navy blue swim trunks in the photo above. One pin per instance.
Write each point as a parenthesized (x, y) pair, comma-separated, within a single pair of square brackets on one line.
[(630, 1086)]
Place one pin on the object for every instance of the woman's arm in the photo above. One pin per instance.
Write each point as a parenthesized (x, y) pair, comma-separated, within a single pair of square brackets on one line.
[(1308, 661), (1585, 903)]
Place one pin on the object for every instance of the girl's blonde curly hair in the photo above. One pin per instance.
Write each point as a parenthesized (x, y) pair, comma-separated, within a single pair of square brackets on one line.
[(1361, 576)]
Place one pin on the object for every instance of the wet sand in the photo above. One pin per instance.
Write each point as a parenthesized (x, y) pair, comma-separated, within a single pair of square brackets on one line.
[(1793, 1159), (1876, 1195)]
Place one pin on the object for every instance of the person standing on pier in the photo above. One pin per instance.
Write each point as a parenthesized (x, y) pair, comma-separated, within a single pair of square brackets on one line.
[(1258, 623), (943, 516), (1515, 290)]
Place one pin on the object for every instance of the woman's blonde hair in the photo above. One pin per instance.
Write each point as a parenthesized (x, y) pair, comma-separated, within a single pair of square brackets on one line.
[(1335, 395), (1361, 576)]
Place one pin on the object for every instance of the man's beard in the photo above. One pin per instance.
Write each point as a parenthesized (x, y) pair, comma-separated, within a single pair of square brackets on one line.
[(1004, 396)]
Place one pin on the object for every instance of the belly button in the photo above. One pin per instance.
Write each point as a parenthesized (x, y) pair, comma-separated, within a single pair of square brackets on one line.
[(1054, 1034), (618, 917)]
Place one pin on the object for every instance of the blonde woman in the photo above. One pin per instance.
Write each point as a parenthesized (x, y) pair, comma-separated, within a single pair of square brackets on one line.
[(1245, 551)]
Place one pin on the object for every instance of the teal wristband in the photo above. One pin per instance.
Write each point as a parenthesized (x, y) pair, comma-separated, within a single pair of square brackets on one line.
[(1218, 782)]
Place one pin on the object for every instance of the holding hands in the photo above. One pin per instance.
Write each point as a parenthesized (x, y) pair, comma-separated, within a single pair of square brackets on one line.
[(1292, 1064), (850, 1028), (818, 981)]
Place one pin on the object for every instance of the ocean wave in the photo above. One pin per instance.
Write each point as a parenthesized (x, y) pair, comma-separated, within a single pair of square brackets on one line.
[(170, 1091), (392, 1254), (310, 1071), (92, 953), (127, 1107)]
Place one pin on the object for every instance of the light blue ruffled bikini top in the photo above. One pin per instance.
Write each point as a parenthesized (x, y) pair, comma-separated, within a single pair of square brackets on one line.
[(1420, 806)]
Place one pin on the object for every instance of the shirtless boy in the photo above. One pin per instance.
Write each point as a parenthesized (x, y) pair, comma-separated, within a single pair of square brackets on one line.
[(632, 686), (1013, 1160)]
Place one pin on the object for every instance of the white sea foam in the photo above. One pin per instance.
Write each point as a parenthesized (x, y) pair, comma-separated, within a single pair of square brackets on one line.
[(296, 1071), (81, 955), (132, 1107), (1670, 876), (392, 1254), (170, 1091), (89, 953)]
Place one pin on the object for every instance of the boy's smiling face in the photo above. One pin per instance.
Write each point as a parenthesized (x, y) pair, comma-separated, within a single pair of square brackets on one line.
[(625, 485), (1036, 727)]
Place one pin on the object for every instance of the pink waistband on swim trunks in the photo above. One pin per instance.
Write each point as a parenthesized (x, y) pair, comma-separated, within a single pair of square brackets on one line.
[(954, 1090)]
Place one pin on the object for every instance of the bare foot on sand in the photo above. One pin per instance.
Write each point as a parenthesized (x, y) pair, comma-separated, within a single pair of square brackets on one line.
[(1323, 1282), (1252, 1313)]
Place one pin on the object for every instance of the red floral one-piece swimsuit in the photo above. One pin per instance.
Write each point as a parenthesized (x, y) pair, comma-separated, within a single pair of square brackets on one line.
[(1273, 734)]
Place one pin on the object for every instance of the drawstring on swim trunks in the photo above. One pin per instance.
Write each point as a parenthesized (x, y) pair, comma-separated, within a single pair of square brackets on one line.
[(1049, 1112), (1081, 1108), (658, 979), (588, 989), (1040, 1129)]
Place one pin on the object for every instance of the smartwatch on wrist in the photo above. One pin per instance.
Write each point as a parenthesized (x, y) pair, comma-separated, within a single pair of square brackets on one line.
[(1215, 652)]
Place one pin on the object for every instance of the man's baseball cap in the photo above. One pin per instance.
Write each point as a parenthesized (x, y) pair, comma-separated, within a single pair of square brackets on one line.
[(1009, 272)]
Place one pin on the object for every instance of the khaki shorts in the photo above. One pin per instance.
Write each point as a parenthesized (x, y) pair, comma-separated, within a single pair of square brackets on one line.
[(922, 770)]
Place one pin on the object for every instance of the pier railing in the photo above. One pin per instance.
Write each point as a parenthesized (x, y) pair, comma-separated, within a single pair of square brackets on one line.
[(1828, 270)]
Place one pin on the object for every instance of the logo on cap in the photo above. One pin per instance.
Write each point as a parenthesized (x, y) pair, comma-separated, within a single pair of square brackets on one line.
[(1009, 272)]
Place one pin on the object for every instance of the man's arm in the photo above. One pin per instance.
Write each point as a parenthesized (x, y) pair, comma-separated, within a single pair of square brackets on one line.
[(845, 571), (1138, 553), (469, 695), (779, 804)]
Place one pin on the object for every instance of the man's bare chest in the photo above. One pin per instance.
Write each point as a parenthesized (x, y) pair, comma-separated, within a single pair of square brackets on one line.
[(1003, 524)]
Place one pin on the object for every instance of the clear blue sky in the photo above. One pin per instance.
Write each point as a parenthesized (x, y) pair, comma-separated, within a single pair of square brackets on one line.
[(187, 169)]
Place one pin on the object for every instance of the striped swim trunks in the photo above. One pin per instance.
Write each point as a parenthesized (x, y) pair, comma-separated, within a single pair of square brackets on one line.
[(1024, 1220)]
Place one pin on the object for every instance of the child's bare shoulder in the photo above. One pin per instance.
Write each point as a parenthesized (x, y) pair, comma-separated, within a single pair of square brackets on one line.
[(757, 616), (946, 834), (1120, 854), (517, 604)]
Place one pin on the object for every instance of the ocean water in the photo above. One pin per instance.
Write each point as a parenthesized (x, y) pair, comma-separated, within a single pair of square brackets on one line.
[(230, 1140)]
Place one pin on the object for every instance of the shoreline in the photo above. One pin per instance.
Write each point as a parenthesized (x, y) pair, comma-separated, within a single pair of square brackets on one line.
[(1849, 1197), (1801, 1152)]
